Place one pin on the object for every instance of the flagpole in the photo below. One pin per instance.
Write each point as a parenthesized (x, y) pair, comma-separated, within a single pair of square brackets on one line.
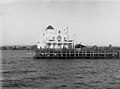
[(67, 33), (74, 40)]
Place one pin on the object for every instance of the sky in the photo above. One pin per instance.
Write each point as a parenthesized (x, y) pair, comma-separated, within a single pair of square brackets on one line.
[(95, 22)]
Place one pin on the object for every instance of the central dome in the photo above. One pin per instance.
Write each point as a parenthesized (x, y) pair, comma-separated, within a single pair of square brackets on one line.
[(49, 27)]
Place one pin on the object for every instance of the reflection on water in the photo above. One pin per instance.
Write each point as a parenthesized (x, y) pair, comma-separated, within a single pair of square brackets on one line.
[(20, 71)]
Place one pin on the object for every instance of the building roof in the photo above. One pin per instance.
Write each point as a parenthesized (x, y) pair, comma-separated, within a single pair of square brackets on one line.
[(49, 27), (79, 46)]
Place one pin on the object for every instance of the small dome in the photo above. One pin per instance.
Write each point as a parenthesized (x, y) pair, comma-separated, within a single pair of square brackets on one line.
[(49, 27)]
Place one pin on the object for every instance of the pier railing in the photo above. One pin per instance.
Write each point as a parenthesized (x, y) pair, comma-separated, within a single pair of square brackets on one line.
[(75, 54)]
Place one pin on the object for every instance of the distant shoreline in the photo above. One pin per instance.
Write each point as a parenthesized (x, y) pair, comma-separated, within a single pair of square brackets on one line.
[(30, 47), (87, 48)]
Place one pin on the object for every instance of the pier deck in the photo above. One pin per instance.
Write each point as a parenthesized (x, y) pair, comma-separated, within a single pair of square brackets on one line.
[(73, 54)]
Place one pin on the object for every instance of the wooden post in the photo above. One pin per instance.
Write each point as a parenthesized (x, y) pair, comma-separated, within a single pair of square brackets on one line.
[(69, 54), (113, 54), (98, 54), (93, 54), (78, 54), (119, 54), (82, 54), (45, 54), (85, 54), (90, 55), (57, 54), (105, 54), (66, 55), (54, 54), (75, 53)]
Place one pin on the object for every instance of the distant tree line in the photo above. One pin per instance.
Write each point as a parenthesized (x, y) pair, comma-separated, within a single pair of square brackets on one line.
[(33, 47)]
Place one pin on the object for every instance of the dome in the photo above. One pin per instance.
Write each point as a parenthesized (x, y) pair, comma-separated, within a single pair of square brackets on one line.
[(49, 27)]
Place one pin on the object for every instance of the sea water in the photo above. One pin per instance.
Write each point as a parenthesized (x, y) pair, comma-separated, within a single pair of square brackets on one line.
[(21, 71)]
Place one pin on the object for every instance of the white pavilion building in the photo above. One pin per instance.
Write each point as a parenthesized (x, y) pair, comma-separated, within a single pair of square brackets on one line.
[(55, 39)]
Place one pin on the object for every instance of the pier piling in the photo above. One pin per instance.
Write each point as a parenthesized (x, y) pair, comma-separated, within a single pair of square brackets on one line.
[(75, 54), (119, 54)]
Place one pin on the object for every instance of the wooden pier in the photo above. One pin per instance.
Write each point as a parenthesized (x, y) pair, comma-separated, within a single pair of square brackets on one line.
[(73, 54)]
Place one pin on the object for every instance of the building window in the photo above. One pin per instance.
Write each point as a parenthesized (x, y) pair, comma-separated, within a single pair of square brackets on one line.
[(59, 38), (64, 38), (53, 38)]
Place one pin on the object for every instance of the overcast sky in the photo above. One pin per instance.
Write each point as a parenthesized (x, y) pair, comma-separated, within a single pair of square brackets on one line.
[(94, 22)]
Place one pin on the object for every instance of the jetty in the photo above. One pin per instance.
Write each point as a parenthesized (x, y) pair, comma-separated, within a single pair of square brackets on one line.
[(57, 45)]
